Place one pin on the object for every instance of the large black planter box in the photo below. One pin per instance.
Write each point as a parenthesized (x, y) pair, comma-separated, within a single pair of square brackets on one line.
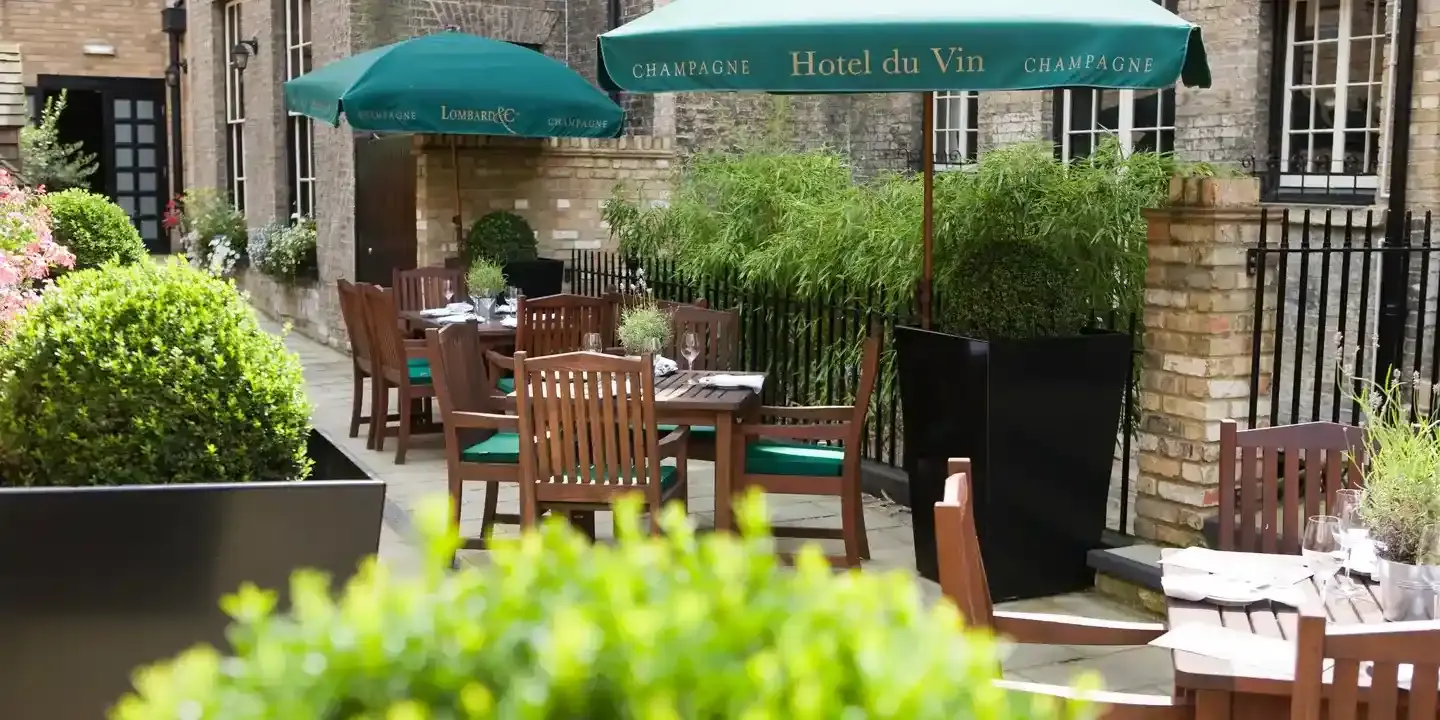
[(1038, 420), (537, 278), (97, 581)]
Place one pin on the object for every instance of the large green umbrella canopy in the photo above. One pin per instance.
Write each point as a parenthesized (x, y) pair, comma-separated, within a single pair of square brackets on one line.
[(823, 46), (851, 46), (456, 83)]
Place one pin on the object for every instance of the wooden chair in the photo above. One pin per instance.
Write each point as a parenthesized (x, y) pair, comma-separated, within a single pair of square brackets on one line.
[(590, 419), (963, 581), (424, 288), (1278, 468), (1384, 648), (789, 459), (353, 313), (719, 334), (481, 443), (548, 326), (399, 363)]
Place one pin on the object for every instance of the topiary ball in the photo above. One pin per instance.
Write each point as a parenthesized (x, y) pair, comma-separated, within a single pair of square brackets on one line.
[(1011, 289), (96, 230), (500, 237), (145, 374)]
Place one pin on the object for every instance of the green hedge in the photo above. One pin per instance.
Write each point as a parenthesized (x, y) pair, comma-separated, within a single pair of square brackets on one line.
[(96, 230), (146, 374)]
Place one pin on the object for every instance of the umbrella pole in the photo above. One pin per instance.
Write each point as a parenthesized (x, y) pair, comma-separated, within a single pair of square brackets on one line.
[(458, 219), (927, 222)]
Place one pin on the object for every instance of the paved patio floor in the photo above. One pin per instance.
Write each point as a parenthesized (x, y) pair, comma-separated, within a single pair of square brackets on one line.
[(328, 380)]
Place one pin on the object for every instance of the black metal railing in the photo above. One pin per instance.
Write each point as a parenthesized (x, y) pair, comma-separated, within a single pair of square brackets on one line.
[(1331, 304), (808, 346)]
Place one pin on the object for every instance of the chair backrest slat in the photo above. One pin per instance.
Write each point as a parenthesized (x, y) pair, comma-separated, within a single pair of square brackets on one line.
[(962, 571), (1264, 473), (557, 323), (424, 288), (1367, 669), (387, 342), (355, 316), (592, 418)]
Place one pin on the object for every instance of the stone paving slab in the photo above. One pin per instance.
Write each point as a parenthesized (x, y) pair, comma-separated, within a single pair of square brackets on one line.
[(328, 382)]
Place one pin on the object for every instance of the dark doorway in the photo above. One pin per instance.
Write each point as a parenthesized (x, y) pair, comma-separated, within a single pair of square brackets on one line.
[(122, 121), (384, 207)]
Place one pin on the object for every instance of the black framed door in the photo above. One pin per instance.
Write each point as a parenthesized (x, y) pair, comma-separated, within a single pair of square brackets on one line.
[(133, 153)]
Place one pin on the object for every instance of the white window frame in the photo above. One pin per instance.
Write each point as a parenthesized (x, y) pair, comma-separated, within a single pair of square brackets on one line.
[(233, 32), (300, 130), (956, 127), (1331, 142), (1127, 130)]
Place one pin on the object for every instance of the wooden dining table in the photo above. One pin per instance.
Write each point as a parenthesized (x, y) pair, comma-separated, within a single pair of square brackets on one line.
[(418, 322), (1223, 690), (680, 400)]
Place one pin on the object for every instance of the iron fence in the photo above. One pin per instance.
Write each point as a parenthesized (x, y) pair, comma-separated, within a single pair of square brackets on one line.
[(808, 347), (1337, 303)]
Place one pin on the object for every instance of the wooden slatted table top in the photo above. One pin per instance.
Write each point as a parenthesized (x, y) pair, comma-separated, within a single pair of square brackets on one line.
[(420, 322), (1265, 619), (677, 392)]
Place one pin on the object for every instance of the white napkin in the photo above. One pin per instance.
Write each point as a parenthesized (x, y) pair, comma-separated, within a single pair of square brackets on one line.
[(1242, 648), (451, 309), (1200, 587), (506, 308), (1277, 570), (451, 319), (509, 321), (664, 366), (752, 382)]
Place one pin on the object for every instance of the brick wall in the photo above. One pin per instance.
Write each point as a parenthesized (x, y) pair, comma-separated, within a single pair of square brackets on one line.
[(52, 35), (557, 185)]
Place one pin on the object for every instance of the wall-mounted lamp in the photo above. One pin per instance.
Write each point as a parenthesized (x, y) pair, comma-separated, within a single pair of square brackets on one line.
[(99, 48), (242, 51), (173, 72)]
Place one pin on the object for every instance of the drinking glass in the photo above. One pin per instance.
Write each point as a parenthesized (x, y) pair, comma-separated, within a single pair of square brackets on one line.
[(690, 348), (512, 296), (592, 342), (1352, 532), (449, 291), (1321, 548)]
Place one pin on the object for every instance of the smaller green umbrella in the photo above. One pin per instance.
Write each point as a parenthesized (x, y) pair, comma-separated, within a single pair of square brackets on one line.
[(456, 83)]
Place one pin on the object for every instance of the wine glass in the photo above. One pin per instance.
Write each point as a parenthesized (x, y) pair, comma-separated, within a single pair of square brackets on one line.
[(592, 342), (512, 296), (690, 349), (1352, 532), (1321, 549), (449, 291)]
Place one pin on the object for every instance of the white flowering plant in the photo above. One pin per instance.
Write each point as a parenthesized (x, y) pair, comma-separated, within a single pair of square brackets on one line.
[(288, 251)]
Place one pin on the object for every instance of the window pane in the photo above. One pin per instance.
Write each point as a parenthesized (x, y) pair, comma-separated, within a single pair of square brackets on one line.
[(1304, 20), (122, 109), (1367, 18), (1324, 118), (147, 158), (1300, 110), (124, 157), (148, 181), (149, 205), (124, 133), (1108, 116), (1360, 67), (145, 109), (1082, 104), (1327, 59), (145, 134), (126, 203), (149, 229), (1329, 22), (124, 182), (1303, 67)]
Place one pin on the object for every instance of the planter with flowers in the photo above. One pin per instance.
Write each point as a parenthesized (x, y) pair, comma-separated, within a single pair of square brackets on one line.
[(213, 234), (1401, 501)]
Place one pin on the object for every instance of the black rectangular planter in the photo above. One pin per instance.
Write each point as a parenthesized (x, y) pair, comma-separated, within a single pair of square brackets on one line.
[(1038, 420), (536, 278), (97, 581)]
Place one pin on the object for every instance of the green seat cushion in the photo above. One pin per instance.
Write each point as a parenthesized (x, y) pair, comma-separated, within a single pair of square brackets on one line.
[(506, 385), (695, 430), (784, 457), (419, 370), (498, 448)]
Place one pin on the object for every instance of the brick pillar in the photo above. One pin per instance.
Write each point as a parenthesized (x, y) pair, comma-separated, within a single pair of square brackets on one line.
[(1199, 321)]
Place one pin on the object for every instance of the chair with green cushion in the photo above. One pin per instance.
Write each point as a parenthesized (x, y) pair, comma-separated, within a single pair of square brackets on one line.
[(816, 451), (399, 363), (589, 421), (353, 312), (480, 440)]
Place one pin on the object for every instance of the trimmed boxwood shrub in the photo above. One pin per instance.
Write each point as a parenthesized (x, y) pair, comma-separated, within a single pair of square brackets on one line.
[(144, 374), (501, 237), (96, 230), (557, 627)]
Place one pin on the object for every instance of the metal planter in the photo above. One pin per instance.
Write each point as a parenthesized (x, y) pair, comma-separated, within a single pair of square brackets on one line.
[(1407, 592)]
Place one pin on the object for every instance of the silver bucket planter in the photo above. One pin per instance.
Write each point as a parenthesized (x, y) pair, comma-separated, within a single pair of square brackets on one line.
[(1407, 592), (484, 304)]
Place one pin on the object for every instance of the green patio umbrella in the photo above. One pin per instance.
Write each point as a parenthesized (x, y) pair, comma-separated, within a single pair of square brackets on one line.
[(454, 83), (854, 46)]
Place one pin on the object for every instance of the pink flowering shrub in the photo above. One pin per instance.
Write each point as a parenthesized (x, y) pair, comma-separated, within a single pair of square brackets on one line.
[(27, 249)]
